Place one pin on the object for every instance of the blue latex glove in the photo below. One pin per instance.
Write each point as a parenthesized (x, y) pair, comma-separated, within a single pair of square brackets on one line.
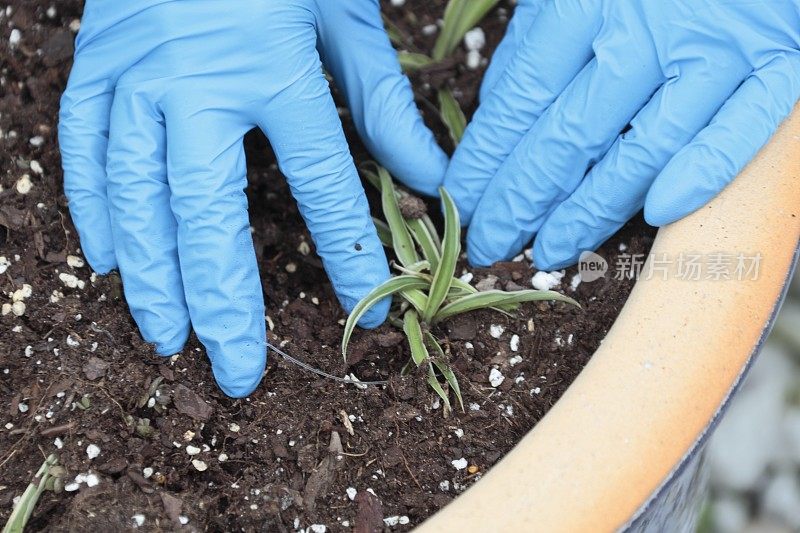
[(159, 99), (702, 83)]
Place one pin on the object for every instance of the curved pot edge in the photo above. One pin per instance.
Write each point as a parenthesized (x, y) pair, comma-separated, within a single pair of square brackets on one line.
[(649, 395), (706, 434)]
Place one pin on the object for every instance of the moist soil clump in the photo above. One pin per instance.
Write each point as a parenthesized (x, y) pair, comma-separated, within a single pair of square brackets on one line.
[(171, 450)]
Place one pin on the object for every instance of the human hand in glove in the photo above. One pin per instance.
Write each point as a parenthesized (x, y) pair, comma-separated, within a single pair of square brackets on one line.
[(703, 84), (160, 97)]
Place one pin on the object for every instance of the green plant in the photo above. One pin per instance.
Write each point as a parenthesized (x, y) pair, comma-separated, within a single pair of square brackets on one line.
[(460, 16), (426, 291), (22, 512), (452, 115)]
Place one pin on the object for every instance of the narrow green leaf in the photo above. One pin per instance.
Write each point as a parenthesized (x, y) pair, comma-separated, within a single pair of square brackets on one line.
[(411, 61), (416, 268), (433, 232), (452, 115), (460, 288), (384, 233), (437, 387), (452, 381), (416, 298), (401, 309), (440, 360), (24, 508), (394, 33), (395, 322), (451, 248), (374, 179), (460, 16), (388, 288), (413, 331), (401, 239), (507, 309), (370, 175), (487, 299), (421, 234)]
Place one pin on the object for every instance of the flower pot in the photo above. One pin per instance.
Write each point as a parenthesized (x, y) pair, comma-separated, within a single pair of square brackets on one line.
[(621, 449)]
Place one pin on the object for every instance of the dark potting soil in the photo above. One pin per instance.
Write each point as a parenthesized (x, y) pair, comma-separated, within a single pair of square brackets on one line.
[(75, 373)]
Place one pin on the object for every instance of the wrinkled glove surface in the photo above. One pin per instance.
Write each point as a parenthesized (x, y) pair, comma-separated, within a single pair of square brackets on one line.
[(151, 128), (702, 85)]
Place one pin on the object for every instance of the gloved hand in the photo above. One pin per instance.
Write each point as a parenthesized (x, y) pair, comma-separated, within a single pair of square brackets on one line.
[(703, 84), (159, 99)]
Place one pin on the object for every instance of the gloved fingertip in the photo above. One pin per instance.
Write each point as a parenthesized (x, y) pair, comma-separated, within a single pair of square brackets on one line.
[(238, 375), (239, 390), (550, 255), (478, 255), (167, 349), (410, 152), (494, 236), (662, 208), (661, 205), (94, 230), (102, 266), (376, 315), (355, 273), (657, 217), (168, 343), (102, 260), (425, 175)]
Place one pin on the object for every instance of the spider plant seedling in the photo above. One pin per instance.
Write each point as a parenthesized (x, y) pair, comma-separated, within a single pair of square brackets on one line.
[(45, 478), (460, 16), (426, 291), (452, 115)]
